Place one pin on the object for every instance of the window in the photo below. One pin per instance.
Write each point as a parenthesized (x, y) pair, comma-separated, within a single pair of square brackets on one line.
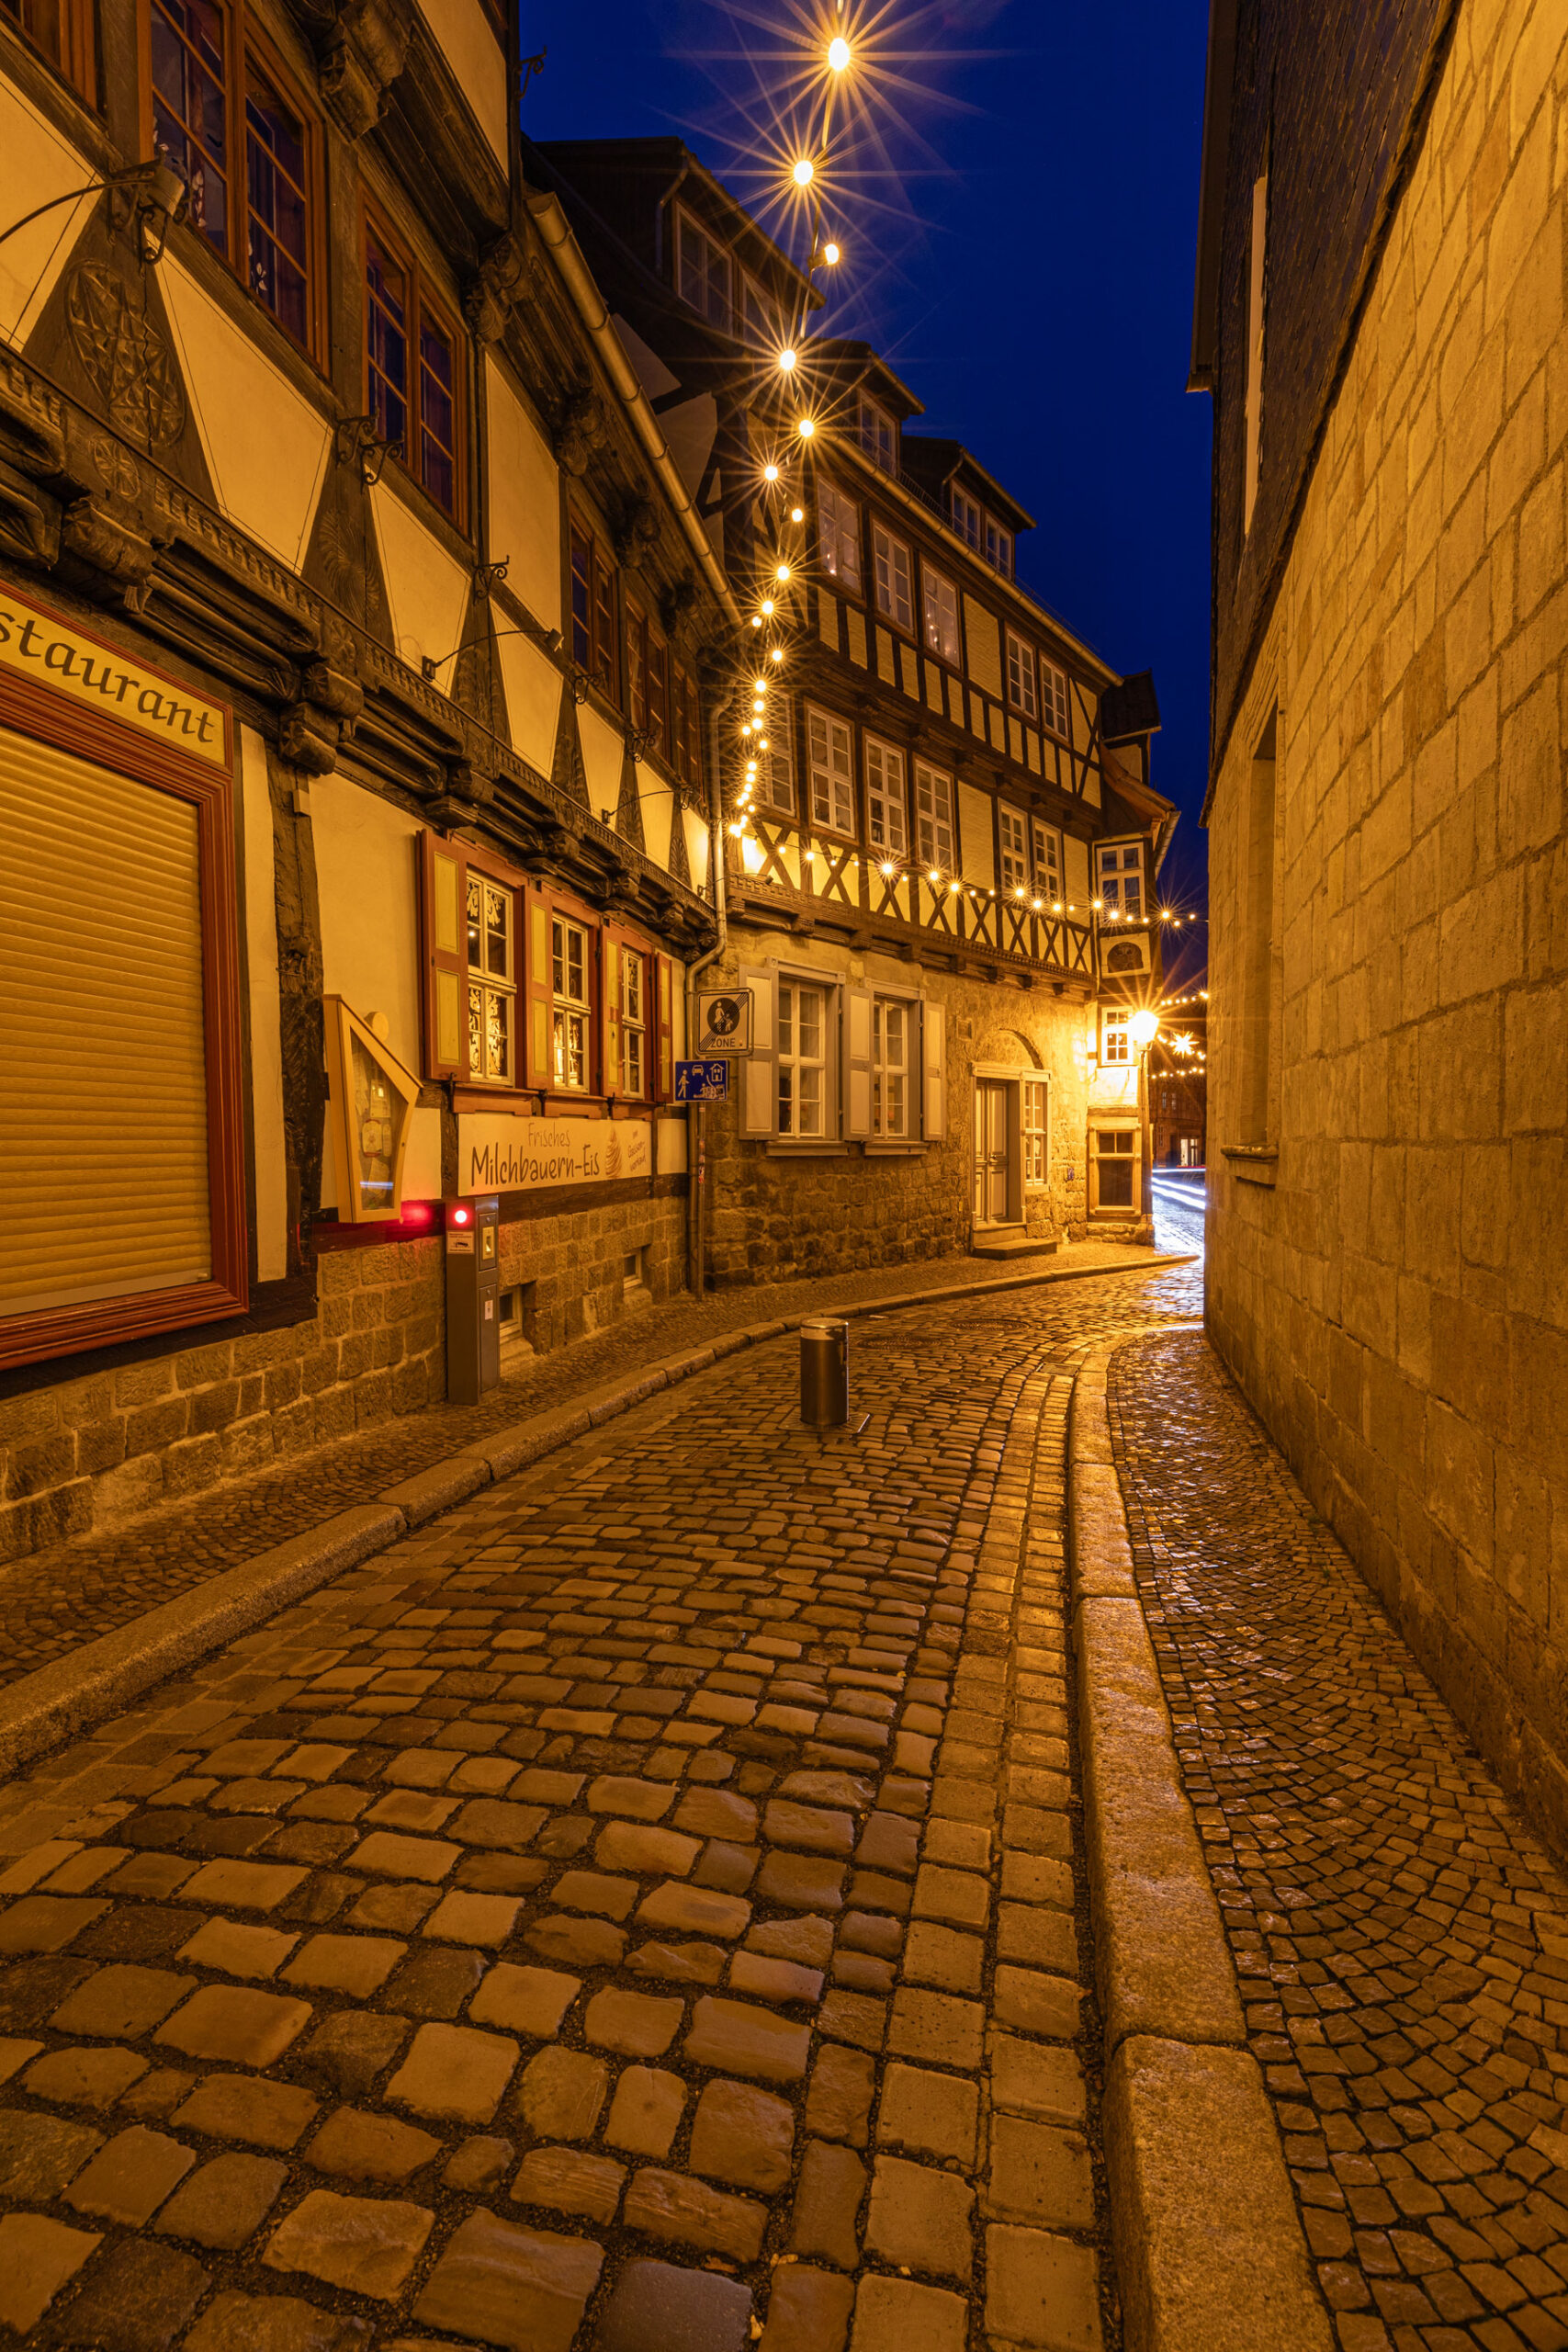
[(886, 828), (1257, 286), (933, 818), (998, 547), (802, 1060), (1116, 1034), (966, 518), (1020, 677), (890, 1031), (1114, 1166), (878, 437), (762, 319), (493, 981), (413, 386), (648, 679), (1054, 699), (775, 758), (572, 1009), (838, 536), (688, 729), (278, 206), (191, 72), (1047, 863), (891, 559), (704, 274), (593, 608), (939, 607), (634, 1024), (1011, 840), (1036, 1133), (832, 772), (1121, 879), (61, 30)]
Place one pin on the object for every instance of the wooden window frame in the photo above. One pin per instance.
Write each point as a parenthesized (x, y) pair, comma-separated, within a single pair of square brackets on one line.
[(1120, 875), (1039, 833), (602, 629), (825, 990), (998, 535), (778, 761), (434, 959), (831, 719), (934, 862), (76, 64), (1023, 694), (686, 724), (653, 718), (881, 534), (373, 224), (931, 617), (45, 1333), (246, 39), (567, 1007), (881, 1130), (627, 954), (883, 796), (1055, 700), (1034, 1137), (841, 524), (961, 507), (715, 247), (882, 424), (1012, 861)]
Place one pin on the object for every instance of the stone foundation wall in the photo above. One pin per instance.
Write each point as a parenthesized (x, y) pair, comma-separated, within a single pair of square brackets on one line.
[(778, 1214), (1396, 1303), (79, 1456)]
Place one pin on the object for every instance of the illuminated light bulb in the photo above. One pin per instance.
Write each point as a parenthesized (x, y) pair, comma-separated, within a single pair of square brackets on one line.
[(756, 620), (1055, 906), (1144, 1027), (803, 173), (736, 831), (797, 515), (806, 428), (1018, 890), (830, 255), (889, 868), (933, 875), (839, 54), (778, 653), (759, 686), (1038, 905), (767, 604), (1098, 904), (770, 473), (953, 888), (745, 726), (761, 743), (783, 571), (786, 360)]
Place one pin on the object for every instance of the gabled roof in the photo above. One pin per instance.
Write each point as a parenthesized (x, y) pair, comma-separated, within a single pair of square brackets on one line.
[(850, 364), (935, 461)]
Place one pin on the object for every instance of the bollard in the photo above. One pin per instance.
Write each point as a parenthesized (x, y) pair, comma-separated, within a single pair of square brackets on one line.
[(824, 1374)]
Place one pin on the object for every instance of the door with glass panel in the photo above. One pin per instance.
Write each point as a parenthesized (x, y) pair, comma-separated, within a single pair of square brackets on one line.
[(992, 1127)]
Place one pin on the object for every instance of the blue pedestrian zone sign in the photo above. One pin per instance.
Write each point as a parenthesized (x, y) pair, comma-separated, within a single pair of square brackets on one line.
[(701, 1082)]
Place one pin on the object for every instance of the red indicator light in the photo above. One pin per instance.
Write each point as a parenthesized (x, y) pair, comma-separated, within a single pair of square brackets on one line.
[(461, 1216)]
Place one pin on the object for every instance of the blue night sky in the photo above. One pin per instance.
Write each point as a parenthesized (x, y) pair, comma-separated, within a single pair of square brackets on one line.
[(1018, 242)]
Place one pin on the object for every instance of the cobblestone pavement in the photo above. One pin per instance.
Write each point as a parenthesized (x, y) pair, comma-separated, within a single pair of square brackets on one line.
[(642, 1910), (1402, 1939), (57, 1599)]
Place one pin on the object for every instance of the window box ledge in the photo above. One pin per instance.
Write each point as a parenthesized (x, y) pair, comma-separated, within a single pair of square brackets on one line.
[(893, 1150), (807, 1150), (1252, 1163)]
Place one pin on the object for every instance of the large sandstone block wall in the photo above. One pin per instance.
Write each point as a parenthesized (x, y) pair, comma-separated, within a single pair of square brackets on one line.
[(780, 1215), (1397, 1306)]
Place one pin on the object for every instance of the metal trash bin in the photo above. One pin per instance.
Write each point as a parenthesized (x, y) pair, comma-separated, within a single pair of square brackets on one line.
[(824, 1373)]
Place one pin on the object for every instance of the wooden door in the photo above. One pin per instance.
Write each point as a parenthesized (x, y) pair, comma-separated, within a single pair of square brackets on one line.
[(991, 1135)]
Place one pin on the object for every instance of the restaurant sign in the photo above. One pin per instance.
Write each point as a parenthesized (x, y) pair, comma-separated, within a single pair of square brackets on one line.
[(498, 1152), (37, 646)]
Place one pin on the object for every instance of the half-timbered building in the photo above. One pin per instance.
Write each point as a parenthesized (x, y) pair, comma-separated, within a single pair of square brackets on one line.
[(353, 765), (942, 838)]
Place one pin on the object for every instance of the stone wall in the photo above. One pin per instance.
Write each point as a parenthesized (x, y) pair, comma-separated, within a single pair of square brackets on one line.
[(82, 1454), (1395, 1304), (780, 1214)]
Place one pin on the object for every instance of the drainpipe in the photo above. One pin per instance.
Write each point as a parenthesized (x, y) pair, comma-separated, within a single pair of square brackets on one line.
[(696, 1165)]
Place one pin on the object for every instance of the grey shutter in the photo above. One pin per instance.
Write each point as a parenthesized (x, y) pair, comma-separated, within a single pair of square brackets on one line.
[(857, 1062), (758, 1070), (933, 1055)]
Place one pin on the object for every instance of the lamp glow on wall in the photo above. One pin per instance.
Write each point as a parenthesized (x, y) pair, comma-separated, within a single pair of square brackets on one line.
[(371, 1099)]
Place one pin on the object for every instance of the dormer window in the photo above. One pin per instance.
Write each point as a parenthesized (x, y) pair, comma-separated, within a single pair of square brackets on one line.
[(878, 435), (998, 547), (966, 519), (704, 274)]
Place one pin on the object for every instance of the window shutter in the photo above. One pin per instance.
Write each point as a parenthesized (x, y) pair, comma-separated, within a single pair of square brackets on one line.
[(933, 1051), (444, 881), (760, 1079), (538, 992), (609, 1010), (857, 1062), (661, 1029)]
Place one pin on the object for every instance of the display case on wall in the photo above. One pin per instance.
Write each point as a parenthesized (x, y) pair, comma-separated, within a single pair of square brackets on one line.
[(370, 1104)]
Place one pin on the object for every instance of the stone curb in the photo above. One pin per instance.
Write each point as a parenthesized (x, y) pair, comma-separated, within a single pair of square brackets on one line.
[(41, 1711), (1208, 2245)]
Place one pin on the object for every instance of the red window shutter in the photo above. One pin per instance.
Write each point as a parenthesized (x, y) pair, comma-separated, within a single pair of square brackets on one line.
[(662, 1030), (537, 1058), (442, 892)]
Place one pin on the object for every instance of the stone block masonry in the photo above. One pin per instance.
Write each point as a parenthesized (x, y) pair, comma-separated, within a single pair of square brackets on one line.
[(1394, 1304)]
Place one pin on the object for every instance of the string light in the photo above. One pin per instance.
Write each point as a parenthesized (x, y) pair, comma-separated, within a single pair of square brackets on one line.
[(804, 172), (771, 473), (839, 54), (830, 255), (786, 361)]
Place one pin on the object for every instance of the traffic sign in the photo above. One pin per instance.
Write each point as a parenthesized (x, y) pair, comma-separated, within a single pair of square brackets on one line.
[(706, 1081), (724, 1021)]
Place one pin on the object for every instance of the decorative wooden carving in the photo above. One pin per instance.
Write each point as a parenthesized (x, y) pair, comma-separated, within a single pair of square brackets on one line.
[(495, 285), (581, 431), (124, 358), (361, 47)]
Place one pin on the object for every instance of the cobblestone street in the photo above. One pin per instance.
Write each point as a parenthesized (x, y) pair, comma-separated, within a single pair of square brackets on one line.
[(1402, 1941), (645, 1906)]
